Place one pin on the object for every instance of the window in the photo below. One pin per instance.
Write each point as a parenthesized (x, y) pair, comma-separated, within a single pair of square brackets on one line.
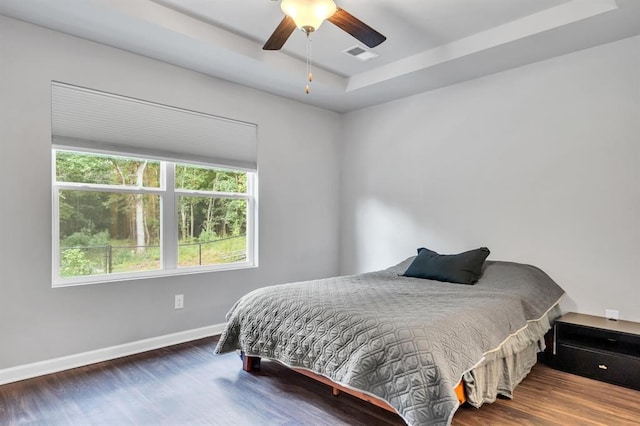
[(146, 189), (118, 216)]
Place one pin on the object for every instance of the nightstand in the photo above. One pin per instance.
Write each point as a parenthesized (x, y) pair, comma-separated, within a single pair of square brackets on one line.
[(598, 348)]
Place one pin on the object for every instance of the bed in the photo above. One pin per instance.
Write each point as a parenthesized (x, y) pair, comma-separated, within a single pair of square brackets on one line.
[(405, 342)]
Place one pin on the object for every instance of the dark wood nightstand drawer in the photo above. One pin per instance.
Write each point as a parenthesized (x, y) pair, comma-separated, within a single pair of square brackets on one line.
[(595, 338), (609, 367)]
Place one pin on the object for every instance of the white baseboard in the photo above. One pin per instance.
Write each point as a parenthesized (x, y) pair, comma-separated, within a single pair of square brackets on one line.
[(27, 371)]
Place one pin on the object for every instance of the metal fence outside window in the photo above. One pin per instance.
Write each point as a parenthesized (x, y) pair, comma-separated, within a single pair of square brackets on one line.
[(105, 259)]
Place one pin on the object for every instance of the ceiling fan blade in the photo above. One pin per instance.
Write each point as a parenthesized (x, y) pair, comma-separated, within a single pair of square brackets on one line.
[(280, 35), (352, 25)]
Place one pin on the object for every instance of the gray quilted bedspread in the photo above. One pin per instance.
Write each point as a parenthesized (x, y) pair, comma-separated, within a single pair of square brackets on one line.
[(405, 340)]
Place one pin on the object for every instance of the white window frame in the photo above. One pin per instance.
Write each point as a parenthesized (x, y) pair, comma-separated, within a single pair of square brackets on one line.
[(168, 218)]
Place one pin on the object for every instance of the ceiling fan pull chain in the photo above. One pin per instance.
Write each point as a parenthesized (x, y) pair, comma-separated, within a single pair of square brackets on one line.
[(309, 73)]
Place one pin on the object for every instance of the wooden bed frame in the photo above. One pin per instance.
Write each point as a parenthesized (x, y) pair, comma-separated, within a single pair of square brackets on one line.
[(252, 363)]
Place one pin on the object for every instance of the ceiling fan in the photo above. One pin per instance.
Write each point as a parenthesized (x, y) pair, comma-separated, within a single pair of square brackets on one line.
[(308, 15)]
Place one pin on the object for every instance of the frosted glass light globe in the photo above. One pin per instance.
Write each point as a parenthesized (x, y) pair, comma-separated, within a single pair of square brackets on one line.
[(308, 14)]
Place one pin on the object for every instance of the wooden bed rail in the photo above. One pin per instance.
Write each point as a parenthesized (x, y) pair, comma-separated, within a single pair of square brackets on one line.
[(252, 363)]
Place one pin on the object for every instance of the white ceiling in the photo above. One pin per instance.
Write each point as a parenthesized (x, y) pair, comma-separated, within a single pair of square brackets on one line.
[(430, 43)]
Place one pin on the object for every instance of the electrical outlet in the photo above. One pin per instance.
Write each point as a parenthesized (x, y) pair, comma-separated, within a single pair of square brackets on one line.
[(178, 301), (612, 314)]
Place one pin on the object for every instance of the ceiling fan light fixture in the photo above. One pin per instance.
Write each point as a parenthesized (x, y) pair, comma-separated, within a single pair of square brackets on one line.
[(308, 14)]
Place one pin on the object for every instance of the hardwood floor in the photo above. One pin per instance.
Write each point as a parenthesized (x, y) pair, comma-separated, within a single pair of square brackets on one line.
[(188, 385)]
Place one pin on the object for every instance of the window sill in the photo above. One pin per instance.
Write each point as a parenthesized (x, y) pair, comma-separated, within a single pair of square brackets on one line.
[(119, 277)]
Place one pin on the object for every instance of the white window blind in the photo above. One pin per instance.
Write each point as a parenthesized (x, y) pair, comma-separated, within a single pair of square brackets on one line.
[(86, 118)]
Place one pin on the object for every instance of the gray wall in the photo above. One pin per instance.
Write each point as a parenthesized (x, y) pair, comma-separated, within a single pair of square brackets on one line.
[(540, 163), (298, 233)]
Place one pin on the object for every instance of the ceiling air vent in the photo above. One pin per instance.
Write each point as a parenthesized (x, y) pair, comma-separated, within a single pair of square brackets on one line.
[(360, 53)]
